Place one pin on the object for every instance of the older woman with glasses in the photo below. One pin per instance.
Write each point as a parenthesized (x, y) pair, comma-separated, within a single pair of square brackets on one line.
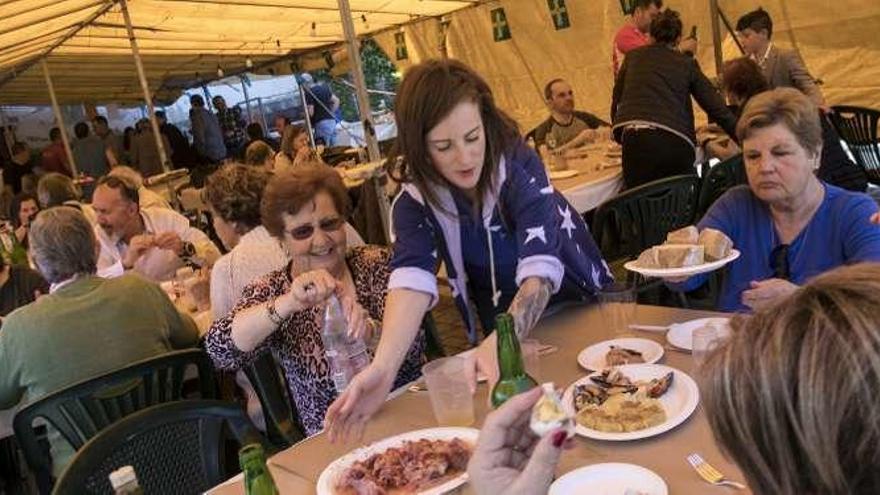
[(305, 209), (788, 224)]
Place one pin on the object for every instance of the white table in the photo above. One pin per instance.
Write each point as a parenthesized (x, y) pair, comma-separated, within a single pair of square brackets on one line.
[(596, 181)]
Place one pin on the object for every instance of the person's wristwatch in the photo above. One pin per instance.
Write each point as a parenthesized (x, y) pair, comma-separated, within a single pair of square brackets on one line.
[(188, 250)]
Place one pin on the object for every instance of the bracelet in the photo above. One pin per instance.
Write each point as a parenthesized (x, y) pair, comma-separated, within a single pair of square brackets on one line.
[(272, 313)]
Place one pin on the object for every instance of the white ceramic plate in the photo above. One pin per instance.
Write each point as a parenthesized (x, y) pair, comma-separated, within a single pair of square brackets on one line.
[(562, 174), (679, 401), (681, 334), (593, 358), (611, 478), (686, 271), (327, 480)]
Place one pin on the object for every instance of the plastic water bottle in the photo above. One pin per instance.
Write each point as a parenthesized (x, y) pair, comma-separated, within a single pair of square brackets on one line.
[(346, 355)]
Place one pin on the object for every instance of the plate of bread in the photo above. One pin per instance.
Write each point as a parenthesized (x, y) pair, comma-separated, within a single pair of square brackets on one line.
[(686, 252)]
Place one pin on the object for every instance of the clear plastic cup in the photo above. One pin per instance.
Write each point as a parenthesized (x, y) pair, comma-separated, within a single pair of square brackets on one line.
[(531, 358), (449, 391), (704, 340), (617, 303)]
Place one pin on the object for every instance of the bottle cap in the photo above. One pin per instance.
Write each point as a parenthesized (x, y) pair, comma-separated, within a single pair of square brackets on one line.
[(122, 476)]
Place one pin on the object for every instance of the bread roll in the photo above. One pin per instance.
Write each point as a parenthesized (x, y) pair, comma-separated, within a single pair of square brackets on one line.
[(687, 235), (679, 255), (647, 259), (715, 243)]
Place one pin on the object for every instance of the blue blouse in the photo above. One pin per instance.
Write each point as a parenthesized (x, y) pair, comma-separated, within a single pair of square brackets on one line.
[(839, 233), (532, 229)]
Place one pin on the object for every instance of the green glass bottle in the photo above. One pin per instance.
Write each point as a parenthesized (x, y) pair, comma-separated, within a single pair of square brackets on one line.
[(257, 478), (512, 378)]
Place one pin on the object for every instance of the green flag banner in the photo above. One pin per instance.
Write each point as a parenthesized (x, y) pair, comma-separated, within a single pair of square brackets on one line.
[(559, 14), (500, 27), (400, 46)]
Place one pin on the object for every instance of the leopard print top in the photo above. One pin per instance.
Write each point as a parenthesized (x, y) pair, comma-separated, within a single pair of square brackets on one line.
[(297, 344)]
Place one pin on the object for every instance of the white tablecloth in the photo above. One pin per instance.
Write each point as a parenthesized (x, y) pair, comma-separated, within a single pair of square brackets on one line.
[(599, 178), (592, 193)]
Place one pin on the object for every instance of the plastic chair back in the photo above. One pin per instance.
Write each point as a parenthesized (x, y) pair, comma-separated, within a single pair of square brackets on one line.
[(858, 128), (176, 447), (718, 180), (81, 411), (638, 218), (283, 425)]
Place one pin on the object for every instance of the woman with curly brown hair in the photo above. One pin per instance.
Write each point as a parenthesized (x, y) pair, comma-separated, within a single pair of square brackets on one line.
[(305, 209), (233, 195)]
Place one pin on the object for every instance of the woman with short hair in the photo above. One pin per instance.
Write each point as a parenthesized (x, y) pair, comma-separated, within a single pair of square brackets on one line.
[(56, 189), (789, 225), (260, 154), (792, 396), (651, 106), (233, 196), (305, 209)]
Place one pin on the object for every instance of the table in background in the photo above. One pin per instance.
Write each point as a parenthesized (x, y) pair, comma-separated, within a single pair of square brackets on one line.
[(594, 183), (570, 331)]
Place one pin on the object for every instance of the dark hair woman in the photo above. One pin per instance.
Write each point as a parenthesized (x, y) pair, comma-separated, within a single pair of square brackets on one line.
[(475, 197), (651, 106)]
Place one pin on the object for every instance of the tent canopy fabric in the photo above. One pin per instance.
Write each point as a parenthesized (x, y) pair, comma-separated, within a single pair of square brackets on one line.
[(838, 41), (182, 42)]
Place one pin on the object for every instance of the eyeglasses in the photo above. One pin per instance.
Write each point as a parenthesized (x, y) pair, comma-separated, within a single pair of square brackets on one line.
[(779, 262), (304, 232)]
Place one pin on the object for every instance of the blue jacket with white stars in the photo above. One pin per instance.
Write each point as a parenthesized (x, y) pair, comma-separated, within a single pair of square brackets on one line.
[(521, 211)]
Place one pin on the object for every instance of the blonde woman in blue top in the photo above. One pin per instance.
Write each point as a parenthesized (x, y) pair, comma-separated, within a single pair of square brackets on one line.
[(789, 225)]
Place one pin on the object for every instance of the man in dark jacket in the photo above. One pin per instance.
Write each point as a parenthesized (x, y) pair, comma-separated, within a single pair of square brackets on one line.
[(566, 127), (182, 155)]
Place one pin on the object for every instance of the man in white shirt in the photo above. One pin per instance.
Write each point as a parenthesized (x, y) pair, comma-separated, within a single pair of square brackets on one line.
[(146, 197), (153, 242)]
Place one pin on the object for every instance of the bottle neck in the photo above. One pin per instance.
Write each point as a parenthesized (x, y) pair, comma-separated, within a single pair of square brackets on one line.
[(510, 363), (252, 460)]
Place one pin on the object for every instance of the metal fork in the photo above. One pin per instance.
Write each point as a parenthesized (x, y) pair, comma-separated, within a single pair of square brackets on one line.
[(710, 474)]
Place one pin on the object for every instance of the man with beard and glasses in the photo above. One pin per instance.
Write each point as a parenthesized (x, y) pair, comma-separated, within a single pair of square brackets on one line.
[(154, 242)]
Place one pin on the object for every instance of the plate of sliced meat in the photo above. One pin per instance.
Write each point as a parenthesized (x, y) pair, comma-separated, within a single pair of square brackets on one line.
[(425, 462)]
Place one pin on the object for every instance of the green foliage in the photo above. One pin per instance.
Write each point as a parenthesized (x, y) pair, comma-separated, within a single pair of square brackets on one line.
[(379, 73)]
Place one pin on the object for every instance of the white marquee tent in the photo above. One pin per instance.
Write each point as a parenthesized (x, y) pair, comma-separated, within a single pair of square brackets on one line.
[(182, 43)]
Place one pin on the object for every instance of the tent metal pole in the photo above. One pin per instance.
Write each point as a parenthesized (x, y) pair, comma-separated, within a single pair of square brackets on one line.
[(301, 87), (59, 118), (715, 12), (262, 114), (145, 86), (357, 72), (247, 99)]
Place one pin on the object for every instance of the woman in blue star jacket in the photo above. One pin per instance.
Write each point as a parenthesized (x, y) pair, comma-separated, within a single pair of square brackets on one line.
[(477, 198)]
